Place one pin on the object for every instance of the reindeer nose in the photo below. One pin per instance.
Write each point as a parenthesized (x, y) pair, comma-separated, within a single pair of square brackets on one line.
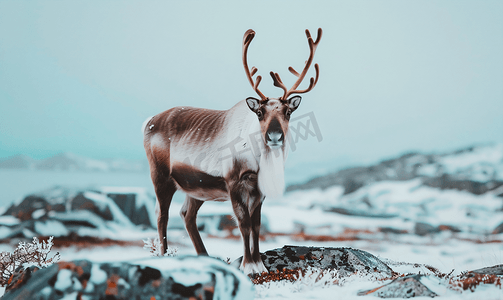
[(275, 138)]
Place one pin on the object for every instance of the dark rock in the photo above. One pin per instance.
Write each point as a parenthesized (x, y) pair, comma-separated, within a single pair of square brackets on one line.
[(24, 210), (173, 278), (69, 209), (227, 223), (498, 229), (127, 203), (450, 182), (359, 213), (494, 270), (403, 287), (81, 202), (346, 260), (392, 230), (423, 229)]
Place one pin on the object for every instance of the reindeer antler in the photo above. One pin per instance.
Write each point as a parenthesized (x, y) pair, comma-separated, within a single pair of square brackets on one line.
[(277, 80), (248, 37)]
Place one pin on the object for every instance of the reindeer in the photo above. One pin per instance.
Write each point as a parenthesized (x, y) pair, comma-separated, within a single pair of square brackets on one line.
[(185, 149)]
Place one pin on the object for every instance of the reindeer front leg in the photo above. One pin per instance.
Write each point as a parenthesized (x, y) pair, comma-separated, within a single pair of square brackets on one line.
[(246, 202), (255, 234), (244, 223)]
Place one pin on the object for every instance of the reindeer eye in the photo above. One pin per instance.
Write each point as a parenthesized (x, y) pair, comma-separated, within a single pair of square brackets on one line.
[(288, 113), (259, 114)]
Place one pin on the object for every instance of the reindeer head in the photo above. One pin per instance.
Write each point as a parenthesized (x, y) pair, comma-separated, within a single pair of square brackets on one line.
[(274, 113)]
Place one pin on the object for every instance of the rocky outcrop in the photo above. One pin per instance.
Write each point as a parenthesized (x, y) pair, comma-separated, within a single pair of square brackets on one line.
[(498, 229), (201, 277), (63, 211), (473, 169), (186, 277), (403, 287), (346, 261), (494, 270)]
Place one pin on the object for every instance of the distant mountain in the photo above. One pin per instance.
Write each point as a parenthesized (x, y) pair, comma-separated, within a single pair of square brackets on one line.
[(18, 162), (73, 162), (476, 169)]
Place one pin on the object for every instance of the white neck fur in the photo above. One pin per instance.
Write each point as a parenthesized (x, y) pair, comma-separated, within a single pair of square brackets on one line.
[(271, 175)]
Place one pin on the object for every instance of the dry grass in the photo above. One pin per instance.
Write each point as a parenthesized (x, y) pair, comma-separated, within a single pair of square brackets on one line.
[(470, 280)]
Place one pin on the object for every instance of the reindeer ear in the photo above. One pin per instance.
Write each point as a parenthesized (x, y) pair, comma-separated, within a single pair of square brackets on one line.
[(253, 104), (294, 102)]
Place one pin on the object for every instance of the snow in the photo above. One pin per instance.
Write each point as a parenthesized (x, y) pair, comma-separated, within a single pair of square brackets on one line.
[(38, 213), (409, 201), (46, 291), (98, 276), (479, 156), (9, 220), (64, 280), (118, 215), (190, 270), (481, 164), (444, 253), (401, 205), (4, 232), (51, 228), (71, 296)]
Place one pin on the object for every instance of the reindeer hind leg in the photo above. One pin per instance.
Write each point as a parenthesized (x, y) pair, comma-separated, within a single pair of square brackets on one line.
[(189, 214), (164, 190)]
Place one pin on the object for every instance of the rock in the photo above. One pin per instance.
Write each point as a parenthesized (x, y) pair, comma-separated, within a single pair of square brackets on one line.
[(494, 270), (61, 211), (478, 177), (423, 229), (188, 277), (359, 213), (498, 229), (346, 261), (403, 287), (135, 203), (352, 179), (392, 230), (24, 210), (451, 182), (84, 201), (223, 225)]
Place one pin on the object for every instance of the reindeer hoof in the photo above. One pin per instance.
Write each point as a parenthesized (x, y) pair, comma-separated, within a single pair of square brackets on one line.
[(253, 268)]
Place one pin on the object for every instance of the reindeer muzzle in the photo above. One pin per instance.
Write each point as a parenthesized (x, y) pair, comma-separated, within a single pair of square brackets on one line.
[(275, 139)]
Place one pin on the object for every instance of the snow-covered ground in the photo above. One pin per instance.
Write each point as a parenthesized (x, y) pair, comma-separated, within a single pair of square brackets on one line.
[(443, 252), (406, 223)]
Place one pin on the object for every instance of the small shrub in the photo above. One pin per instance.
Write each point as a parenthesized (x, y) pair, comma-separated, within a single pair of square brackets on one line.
[(470, 281), (26, 255), (154, 247)]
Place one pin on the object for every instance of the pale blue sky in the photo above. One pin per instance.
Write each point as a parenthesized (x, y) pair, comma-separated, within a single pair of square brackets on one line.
[(82, 76)]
